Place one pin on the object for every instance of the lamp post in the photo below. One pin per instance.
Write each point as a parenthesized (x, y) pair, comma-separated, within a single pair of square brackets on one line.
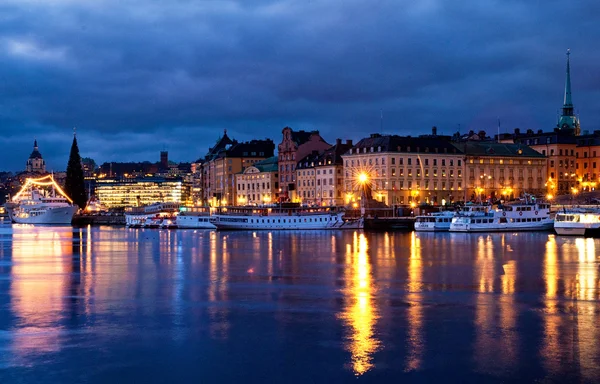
[(363, 180)]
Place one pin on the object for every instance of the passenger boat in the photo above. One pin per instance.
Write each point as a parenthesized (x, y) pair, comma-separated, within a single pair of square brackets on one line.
[(578, 222), (434, 222), (285, 217), (514, 217), (34, 204), (198, 218), (149, 216)]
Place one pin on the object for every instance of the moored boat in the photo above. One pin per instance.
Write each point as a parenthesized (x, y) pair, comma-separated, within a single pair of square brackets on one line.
[(36, 205), (198, 218), (149, 216), (434, 222), (287, 217), (578, 222), (514, 217)]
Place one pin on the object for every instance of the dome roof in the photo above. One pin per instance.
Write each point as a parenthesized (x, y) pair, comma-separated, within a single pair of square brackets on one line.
[(35, 154)]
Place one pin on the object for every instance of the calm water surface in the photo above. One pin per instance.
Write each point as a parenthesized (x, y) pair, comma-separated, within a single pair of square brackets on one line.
[(108, 305)]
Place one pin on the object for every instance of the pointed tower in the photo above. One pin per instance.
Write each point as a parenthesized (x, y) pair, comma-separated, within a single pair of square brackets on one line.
[(35, 163), (568, 120)]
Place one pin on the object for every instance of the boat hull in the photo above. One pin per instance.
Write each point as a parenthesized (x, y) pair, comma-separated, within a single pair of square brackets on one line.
[(501, 228), (284, 223), (58, 215), (583, 230), (194, 222)]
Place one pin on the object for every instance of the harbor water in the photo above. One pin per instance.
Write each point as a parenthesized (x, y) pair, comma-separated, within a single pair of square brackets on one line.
[(110, 305)]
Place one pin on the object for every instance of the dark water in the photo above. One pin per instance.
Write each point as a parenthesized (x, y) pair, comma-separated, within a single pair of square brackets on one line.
[(108, 305)]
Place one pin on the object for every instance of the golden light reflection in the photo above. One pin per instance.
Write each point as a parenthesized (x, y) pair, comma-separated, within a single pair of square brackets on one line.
[(360, 313), (40, 273), (415, 311), (217, 287)]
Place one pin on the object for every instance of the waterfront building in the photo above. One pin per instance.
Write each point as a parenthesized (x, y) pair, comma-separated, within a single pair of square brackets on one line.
[(258, 184), (226, 159), (320, 177), (495, 170), (35, 163), (131, 192), (294, 146), (587, 156), (404, 170)]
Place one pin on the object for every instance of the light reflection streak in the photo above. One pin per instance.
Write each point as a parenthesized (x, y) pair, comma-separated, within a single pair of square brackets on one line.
[(217, 288), (415, 311), (360, 313), (39, 282)]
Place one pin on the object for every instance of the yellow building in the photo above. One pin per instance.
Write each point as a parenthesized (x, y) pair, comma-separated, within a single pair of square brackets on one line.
[(118, 193), (587, 156), (501, 170), (403, 170), (258, 184), (226, 159)]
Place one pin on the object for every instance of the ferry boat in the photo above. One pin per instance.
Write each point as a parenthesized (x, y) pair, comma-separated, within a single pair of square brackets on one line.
[(287, 217), (36, 205), (198, 218), (149, 216), (434, 222), (515, 217), (578, 222)]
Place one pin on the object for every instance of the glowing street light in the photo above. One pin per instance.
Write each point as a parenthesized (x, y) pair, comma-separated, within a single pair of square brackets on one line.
[(363, 178)]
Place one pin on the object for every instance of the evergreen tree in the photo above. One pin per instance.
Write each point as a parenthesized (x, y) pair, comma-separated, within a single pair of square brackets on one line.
[(75, 184)]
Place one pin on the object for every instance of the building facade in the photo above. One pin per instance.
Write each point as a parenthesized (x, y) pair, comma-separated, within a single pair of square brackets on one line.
[(501, 171), (258, 184), (129, 192), (294, 146), (404, 170), (320, 176), (587, 162), (226, 159)]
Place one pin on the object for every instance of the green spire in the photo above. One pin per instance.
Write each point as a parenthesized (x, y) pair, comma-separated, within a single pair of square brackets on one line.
[(568, 104)]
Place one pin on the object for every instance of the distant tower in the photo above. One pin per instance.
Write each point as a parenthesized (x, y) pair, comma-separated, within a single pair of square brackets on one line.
[(164, 160), (568, 120), (35, 163)]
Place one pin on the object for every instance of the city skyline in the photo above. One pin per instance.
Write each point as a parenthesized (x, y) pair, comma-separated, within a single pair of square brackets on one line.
[(137, 77)]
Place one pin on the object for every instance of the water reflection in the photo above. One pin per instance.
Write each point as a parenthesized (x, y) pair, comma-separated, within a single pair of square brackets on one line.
[(40, 278), (360, 313), (415, 310)]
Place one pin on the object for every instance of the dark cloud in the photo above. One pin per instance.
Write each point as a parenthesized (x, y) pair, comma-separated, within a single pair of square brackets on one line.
[(137, 76)]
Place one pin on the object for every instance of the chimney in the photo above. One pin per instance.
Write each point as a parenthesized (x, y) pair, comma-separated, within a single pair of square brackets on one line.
[(349, 142), (517, 131), (338, 142), (434, 131)]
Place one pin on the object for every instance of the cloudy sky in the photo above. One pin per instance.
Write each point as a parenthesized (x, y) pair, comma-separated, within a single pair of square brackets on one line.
[(138, 76)]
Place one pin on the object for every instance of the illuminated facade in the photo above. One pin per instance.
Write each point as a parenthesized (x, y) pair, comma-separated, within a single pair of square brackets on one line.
[(226, 159), (294, 146), (501, 171), (117, 193), (587, 156), (320, 176), (258, 184), (402, 170)]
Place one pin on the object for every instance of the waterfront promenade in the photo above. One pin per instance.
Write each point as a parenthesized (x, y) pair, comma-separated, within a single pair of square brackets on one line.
[(107, 304)]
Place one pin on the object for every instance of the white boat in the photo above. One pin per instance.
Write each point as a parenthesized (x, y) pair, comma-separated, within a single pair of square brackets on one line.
[(197, 218), (434, 222), (36, 205), (149, 216), (514, 217), (578, 222), (283, 218)]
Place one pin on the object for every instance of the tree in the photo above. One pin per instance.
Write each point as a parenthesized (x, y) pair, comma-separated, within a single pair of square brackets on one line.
[(75, 183)]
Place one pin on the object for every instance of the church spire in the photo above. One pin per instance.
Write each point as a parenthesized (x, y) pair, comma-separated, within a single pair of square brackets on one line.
[(568, 103), (568, 121)]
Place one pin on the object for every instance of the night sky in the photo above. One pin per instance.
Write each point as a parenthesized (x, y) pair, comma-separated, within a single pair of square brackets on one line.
[(137, 76)]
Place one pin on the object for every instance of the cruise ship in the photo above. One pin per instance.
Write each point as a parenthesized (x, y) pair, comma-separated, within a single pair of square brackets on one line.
[(434, 222), (41, 201), (578, 222), (514, 217), (287, 217)]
